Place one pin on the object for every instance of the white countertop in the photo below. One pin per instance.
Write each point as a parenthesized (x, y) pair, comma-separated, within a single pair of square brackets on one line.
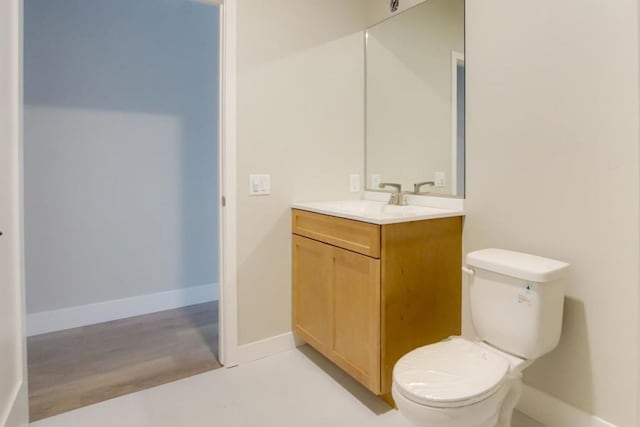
[(377, 212)]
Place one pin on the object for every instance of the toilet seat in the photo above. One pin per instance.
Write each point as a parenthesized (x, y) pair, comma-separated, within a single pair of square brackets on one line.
[(451, 373)]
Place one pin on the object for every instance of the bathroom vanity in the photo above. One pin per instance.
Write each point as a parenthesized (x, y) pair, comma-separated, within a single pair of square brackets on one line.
[(373, 281)]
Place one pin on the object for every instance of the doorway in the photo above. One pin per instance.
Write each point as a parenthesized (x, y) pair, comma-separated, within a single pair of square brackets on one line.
[(457, 123), (121, 196)]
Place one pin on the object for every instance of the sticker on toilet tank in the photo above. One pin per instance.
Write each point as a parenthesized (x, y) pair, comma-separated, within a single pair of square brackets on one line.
[(524, 296)]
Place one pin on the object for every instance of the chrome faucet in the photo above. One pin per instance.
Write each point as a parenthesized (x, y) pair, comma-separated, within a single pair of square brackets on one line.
[(397, 196), (416, 187)]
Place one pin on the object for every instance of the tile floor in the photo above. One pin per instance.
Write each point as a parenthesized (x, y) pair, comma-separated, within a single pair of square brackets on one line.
[(295, 388)]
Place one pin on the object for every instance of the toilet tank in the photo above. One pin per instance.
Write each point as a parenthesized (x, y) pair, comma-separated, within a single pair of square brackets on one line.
[(516, 300)]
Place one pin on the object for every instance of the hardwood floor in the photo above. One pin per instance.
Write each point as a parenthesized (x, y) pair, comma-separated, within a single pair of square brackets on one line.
[(78, 367)]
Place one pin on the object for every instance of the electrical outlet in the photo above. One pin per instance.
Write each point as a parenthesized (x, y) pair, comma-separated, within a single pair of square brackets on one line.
[(354, 183), (259, 185), (438, 179)]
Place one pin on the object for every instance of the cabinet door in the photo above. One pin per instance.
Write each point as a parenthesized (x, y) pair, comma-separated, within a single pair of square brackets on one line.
[(312, 292), (356, 316)]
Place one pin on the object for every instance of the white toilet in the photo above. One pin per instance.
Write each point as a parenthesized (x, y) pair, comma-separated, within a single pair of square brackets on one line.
[(516, 304)]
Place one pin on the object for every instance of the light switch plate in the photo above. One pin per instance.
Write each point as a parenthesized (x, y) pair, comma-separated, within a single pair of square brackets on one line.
[(439, 179), (259, 185), (375, 180)]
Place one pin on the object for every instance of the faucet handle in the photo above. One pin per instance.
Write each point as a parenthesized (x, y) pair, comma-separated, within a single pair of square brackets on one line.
[(398, 187), (416, 187)]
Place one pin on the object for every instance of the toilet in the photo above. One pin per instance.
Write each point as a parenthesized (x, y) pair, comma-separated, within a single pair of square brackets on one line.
[(516, 302)]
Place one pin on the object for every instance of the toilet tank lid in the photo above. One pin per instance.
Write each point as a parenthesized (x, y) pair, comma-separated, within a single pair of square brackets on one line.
[(517, 264)]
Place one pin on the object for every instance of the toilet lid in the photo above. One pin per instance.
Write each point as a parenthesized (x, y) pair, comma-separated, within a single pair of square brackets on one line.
[(450, 373)]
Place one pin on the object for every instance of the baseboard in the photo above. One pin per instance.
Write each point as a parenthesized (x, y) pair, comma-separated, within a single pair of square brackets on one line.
[(553, 412), (266, 347), (73, 317)]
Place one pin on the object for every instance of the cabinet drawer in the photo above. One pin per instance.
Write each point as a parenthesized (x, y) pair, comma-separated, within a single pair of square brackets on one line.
[(352, 235)]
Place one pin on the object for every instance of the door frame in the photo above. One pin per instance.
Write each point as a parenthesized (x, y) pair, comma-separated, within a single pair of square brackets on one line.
[(14, 412), (228, 309), (457, 58), (227, 262)]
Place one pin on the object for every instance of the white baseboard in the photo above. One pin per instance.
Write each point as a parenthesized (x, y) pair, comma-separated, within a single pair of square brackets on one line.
[(266, 347), (73, 317), (553, 412)]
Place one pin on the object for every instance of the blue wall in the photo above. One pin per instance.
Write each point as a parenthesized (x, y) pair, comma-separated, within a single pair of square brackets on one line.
[(141, 59), (133, 55)]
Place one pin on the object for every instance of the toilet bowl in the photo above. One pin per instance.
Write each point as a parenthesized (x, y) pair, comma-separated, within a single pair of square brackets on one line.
[(516, 303), (457, 383)]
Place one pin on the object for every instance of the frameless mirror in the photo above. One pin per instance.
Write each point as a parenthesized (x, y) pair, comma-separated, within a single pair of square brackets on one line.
[(415, 99)]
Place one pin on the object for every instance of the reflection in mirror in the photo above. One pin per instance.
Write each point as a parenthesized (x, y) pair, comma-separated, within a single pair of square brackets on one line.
[(415, 99)]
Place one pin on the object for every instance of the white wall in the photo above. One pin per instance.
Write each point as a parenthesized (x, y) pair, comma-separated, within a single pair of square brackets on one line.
[(408, 99), (12, 354), (300, 119), (120, 149), (378, 10), (552, 150), (552, 107)]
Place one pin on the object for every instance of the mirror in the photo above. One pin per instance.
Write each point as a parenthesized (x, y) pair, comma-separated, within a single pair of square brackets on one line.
[(415, 99)]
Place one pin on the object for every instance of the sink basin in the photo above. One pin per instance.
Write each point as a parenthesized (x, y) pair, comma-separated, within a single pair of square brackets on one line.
[(376, 212)]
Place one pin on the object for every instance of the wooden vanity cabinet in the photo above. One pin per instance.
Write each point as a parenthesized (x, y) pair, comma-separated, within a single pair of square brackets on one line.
[(365, 294)]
